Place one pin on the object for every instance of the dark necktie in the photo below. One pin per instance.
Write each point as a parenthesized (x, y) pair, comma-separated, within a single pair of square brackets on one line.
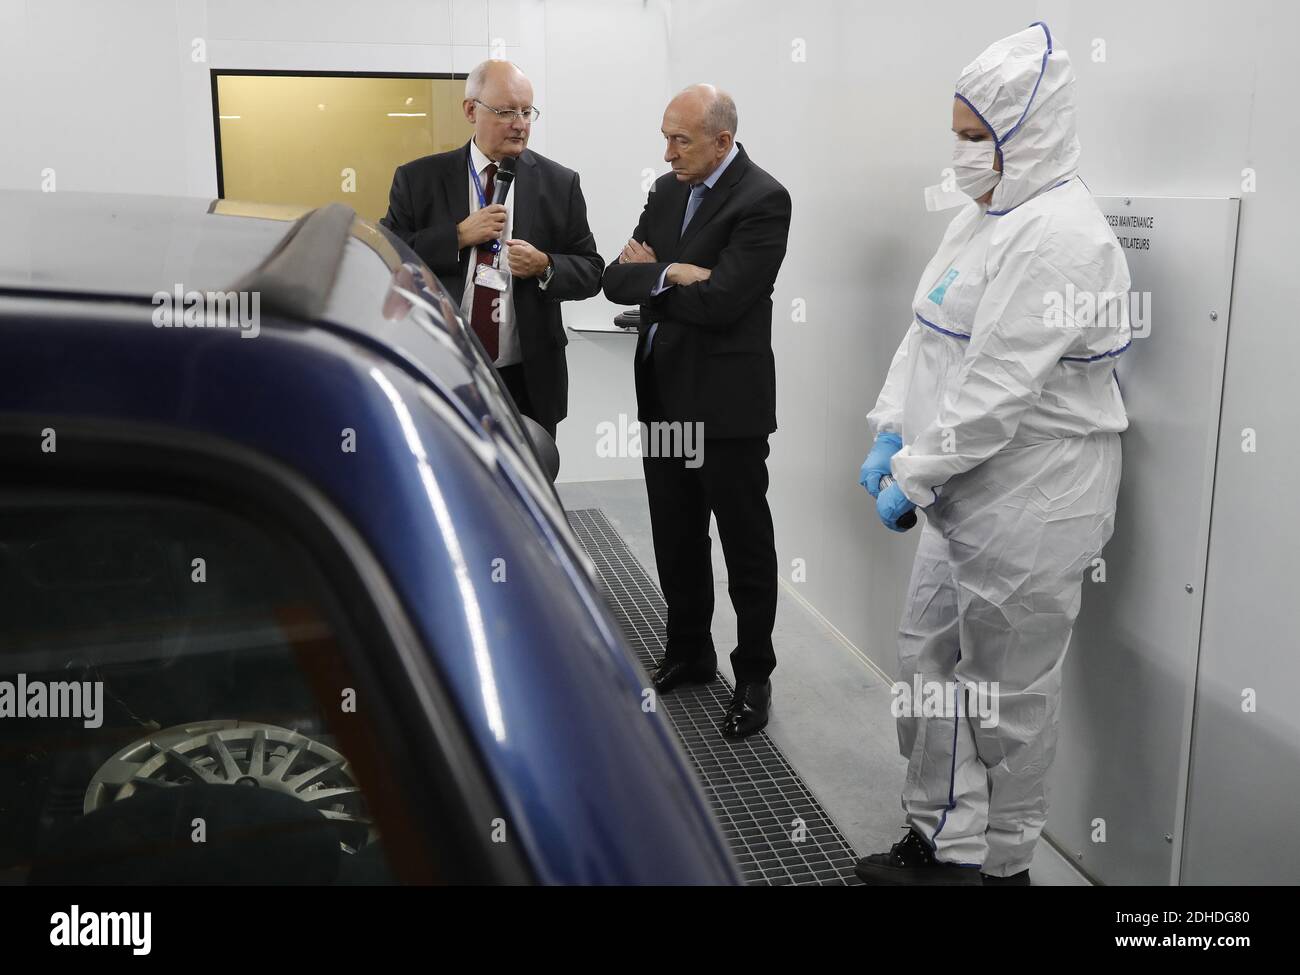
[(692, 204), (483, 317)]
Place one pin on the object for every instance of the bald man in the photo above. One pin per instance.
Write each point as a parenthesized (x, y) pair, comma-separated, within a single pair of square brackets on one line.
[(509, 264), (701, 265)]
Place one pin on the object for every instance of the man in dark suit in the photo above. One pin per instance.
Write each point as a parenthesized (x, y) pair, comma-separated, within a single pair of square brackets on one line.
[(701, 265), (441, 206)]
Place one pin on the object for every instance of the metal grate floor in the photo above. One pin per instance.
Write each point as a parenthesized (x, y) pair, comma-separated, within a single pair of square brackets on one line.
[(778, 831)]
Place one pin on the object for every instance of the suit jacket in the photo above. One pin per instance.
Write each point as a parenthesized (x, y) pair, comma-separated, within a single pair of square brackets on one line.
[(712, 352), (430, 196)]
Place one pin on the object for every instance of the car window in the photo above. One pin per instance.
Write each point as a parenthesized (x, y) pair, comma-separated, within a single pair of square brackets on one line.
[(175, 705)]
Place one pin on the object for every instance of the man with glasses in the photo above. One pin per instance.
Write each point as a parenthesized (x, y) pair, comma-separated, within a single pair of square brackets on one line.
[(513, 263)]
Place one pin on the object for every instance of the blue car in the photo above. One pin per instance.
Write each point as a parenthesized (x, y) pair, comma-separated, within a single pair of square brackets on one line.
[(286, 592)]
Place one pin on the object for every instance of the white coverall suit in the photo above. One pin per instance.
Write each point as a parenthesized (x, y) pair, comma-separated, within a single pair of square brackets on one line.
[(1003, 391)]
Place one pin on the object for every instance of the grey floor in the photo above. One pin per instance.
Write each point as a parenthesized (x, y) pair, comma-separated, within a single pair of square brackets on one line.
[(830, 707)]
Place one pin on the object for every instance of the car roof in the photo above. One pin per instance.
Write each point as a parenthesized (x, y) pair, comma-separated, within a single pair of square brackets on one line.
[(131, 244), (138, 246)]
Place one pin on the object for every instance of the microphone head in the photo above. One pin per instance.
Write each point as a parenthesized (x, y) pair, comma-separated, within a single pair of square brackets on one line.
[(504, 179)]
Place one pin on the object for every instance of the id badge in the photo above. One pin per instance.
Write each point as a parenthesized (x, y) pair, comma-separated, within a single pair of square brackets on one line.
[(491, 277)]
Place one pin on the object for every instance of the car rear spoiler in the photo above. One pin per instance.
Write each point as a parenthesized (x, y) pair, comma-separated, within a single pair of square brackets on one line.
[(296, 278)]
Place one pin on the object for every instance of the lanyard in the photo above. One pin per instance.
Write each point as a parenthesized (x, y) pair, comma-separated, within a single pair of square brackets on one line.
[(482, 199)]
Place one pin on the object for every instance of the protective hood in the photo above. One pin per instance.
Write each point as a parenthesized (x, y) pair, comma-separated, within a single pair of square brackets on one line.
[(1024, 92)]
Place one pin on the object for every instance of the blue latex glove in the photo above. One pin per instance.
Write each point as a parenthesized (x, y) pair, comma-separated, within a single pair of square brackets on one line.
[(891, 505), (877, 463)]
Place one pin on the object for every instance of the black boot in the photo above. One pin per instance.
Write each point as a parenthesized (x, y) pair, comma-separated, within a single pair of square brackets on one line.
[(1020, 879), (911, 862)]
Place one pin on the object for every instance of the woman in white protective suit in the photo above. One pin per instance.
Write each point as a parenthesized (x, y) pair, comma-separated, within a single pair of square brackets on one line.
[(1000, 418)]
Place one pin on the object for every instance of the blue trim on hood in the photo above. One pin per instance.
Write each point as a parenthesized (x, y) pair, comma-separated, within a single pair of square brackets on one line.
[(997, 143), (1000, 140), (1039, 23), (978, 114), (1041, 72)]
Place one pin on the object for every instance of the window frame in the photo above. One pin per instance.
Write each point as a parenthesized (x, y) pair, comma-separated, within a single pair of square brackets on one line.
[(428, 838)]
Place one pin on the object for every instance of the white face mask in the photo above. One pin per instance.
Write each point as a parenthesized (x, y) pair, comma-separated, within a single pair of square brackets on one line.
[(972, 164)]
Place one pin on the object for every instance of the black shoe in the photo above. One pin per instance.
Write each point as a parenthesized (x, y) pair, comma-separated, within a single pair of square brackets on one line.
[(911, 862), (748, 710), (1020, 879), (670, 675)]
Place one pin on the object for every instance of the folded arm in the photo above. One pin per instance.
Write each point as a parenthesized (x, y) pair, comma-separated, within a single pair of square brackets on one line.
[(634, 282), (745, 271)]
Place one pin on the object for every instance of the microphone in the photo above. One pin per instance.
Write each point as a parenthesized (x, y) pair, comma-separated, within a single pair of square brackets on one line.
[(505, 176)]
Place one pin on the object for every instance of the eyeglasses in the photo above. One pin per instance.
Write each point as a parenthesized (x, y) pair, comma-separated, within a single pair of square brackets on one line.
[(529, 114)]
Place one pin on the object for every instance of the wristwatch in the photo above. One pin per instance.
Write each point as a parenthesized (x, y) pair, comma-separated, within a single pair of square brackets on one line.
[(547, 274)]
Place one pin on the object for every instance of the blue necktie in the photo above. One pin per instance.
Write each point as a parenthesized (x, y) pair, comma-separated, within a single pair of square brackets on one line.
[(692, 204)]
